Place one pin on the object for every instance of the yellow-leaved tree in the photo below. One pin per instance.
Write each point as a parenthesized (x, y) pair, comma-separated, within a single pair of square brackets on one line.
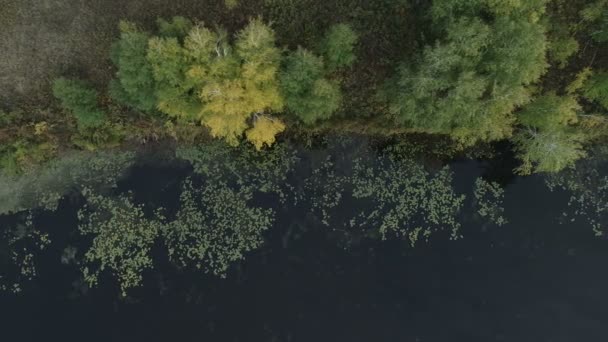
[(200, 76), (234, 82), (264, 131)]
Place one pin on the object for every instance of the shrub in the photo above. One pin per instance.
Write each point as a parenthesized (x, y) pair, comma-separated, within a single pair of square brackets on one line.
[(77, 97), (307, 94), (338, 46)]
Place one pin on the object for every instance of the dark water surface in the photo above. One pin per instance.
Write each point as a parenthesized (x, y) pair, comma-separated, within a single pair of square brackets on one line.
[(531, 280)]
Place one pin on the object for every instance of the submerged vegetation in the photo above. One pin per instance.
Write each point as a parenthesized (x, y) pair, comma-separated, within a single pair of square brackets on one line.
[(344, 115)]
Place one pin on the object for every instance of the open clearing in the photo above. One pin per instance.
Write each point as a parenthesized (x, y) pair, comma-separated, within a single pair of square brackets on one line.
[(42, 39)]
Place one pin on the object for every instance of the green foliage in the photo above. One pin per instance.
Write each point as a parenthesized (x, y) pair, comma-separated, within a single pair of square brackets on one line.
[(489, 198), (548, 151), (310, 96), (578, 83), (242, 166), (215, 227), (108, 135), (469, 82), (123, 238), (563, 30), (448, 9), (562, 48), (178, 27), (338, 46), (596, 88), (550, 111), (231, 4), (391, 195), (81, 100), (174, 93), (23, 155), (10, 117), (549, 142), (134, 85), (596, 15), (43, 187)]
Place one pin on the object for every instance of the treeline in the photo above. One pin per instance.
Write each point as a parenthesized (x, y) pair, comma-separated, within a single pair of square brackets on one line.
[(479, 71)]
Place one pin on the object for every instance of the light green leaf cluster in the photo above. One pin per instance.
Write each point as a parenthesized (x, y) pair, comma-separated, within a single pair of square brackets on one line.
[(595, 14), (173, 90), (469, 82), (215, 227), (250, 171), (392, 195), (489, 197), (408, 199), (549, 142), (123, 238), (134, 83), (307, 92), (81, 100), (548, 151), (338, 46), (596, 88)]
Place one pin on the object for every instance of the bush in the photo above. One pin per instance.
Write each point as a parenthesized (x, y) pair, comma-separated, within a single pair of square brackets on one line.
[(310, 96), (134, 85), (77, 97), (338, 46)]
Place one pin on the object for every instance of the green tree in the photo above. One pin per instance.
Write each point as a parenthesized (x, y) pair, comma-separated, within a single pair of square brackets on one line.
[(549, 141), (338, 46), (178, 27), (134, 85), (595, 14), (596, 88), (548, 151), (550, 111), (81, 100), (307, 93), (471, 80), (174, 92)]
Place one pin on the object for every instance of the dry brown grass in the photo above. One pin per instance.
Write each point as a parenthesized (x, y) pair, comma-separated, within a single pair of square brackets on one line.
[(43, 39)]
